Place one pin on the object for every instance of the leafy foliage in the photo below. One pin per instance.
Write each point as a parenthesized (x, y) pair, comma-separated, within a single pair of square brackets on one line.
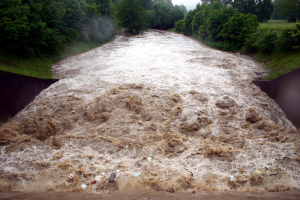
[(219, 26), (238, 27), (183, 9), (188, 21), (287, 9), (268, 40), (163, 17), (35, 27), (133, 16), (263, 9), (180, 26)]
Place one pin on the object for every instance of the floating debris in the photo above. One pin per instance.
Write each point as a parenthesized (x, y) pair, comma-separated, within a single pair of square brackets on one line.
[(258, 172), (137, 174), (83, 186), (92, 182), (71, 176), (112, 177)]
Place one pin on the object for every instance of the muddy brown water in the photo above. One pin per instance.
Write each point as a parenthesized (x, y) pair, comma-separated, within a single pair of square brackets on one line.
[(185, 116), (154, 195)]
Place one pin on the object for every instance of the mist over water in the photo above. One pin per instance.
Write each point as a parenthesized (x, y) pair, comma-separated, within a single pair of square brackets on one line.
[(192, 109)]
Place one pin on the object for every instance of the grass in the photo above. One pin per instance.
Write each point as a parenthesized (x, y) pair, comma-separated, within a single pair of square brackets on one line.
[(39, 67), (279, 64), (175, 31), (275, 24), (77, 48), (30, 66)]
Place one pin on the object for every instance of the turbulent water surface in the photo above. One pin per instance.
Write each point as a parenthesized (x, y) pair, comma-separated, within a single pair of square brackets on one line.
[(185, 116)]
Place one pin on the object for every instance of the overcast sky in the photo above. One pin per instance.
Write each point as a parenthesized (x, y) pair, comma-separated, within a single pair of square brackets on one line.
[(190, 4)]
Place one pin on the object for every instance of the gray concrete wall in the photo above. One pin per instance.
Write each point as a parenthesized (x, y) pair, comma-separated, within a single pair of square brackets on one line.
[(285, 90), (17, 91)]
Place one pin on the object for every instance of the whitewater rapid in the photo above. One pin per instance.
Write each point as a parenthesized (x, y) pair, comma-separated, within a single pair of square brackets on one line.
[(161, 104)]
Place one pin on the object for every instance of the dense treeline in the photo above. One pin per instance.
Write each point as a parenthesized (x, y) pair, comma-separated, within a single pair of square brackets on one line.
[(137, 16), (263, 9), (42, 26), (163, 17), (218, 25), (286, 9), (224, 28), (36, 27), (268, 40)]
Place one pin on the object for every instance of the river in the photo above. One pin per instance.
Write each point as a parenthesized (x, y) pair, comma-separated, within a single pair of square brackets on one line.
[(186, 117)]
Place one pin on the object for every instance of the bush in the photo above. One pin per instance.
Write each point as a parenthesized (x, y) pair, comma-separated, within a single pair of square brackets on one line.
[(180, 26), (220, 26), (218, 17), (188, 22), (289, 39), (268, 40), (238, 28)]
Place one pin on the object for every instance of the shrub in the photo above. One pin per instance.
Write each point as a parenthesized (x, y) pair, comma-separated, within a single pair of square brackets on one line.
[(238, 28), (266, 41), (289, 39), (188, 21), (217, 19), (180, 25)]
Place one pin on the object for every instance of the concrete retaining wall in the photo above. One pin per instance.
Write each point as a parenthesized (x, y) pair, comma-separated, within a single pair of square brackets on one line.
[(285, 90), (17, 91)]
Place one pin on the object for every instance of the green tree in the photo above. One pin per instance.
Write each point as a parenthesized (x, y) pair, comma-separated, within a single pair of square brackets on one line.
[(218, 16), (180, 26), (199, 22), (167, 2), (13, 22), (188, 21), (183, 9), (147, 4), (244, 6), (133, 16), (264, 10), (189, 18), (160, 17), (105, 7), (288, 8), (221, 26), (238, 28), (41, 26), (175, 15)]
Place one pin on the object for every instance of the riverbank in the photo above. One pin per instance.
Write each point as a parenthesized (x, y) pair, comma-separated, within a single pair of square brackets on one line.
[(277, 64), (40, 66)]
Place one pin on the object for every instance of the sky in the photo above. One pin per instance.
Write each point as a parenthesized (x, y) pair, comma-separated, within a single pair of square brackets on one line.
[(190, 4)]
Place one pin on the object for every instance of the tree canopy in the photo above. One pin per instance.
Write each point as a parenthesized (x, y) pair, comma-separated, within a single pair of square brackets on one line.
[(289, 9), (133, 16), (41, 26), (263, 9), (218, 25), (163, 17)]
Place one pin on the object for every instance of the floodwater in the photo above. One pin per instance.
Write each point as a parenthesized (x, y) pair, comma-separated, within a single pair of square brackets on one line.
[(183, 115)]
